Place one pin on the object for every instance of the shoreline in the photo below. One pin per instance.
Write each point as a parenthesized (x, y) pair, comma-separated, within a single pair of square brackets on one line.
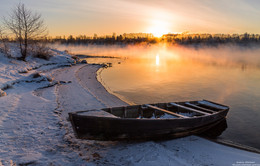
[(89, 80), (230, 143), (100, 80)]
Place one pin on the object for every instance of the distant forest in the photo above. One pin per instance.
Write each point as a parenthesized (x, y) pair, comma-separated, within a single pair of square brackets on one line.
[(245, 39), (139, 38)]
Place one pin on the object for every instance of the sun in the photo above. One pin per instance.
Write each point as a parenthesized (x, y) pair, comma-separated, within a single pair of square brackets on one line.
[(158, 28), (158, 32)]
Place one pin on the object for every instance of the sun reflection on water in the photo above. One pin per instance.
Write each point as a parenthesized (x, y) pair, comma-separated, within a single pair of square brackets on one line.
[(157, 60)]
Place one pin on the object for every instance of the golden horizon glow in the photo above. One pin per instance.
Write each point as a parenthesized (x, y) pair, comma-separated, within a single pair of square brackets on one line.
[(157, 32), (159, 24)]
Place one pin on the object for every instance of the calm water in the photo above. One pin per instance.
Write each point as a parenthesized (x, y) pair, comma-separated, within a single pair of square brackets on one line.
[(229, 75)]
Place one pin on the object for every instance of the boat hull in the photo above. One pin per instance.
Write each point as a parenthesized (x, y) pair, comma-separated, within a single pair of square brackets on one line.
[(109, 128)]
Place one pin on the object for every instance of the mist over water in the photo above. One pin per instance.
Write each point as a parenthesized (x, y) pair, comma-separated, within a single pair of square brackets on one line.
[(219, 55), (226, 74)]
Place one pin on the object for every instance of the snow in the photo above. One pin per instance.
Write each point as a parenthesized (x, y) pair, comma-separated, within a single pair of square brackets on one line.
[(34, 129), (97, 113)]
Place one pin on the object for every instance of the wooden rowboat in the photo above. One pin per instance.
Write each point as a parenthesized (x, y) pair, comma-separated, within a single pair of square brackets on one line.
[(148, 121)]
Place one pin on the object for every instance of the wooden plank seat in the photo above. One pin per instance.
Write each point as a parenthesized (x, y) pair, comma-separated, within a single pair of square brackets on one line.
[(199, 108), (166, 111), (212, 105), (190, 109)]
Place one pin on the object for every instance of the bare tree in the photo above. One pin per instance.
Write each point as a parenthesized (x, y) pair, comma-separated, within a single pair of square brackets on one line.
[(1, 39), (26, 26), (1, 33), (4, 46)]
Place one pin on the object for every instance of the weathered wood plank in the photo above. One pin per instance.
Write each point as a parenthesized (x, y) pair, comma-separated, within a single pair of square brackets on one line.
[(212, 105), (198, 107), (166, 111), (190, 109)]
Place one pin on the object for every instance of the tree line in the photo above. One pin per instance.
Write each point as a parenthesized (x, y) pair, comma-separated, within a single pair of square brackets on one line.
[(212, 39), (181, 39)]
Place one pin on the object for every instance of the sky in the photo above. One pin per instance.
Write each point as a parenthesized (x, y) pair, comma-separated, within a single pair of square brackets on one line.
[(104, 17)]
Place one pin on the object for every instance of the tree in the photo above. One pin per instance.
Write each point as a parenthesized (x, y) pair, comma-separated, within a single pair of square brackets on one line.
[(4, 46), (26, 26), (1, 33)]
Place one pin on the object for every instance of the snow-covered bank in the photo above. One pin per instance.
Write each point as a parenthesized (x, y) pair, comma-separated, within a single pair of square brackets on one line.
[(34, 129), (30, 132)]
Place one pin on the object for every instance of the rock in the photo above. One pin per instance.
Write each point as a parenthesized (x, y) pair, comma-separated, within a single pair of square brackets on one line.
[(2, 93), (7, 86), (109, 64), (23, 71), (84, 61), (36, 75), (50, 79)]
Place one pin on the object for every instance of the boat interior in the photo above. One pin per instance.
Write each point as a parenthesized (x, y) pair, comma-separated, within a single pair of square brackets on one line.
[(167, 110)]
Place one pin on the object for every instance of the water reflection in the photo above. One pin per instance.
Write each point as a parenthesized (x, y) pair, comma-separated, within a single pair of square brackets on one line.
[(215, 131)]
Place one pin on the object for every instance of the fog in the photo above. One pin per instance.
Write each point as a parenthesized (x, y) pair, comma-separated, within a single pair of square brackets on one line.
[(225, 55)]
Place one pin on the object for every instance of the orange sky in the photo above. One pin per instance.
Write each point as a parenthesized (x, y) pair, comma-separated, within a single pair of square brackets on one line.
[(65, 17)]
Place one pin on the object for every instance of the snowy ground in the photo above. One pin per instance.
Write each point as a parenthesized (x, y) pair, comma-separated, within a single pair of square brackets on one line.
[(34, 129)]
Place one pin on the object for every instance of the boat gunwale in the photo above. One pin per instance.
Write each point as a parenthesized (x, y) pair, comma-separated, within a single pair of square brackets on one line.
[(149, 119), (146, 119)]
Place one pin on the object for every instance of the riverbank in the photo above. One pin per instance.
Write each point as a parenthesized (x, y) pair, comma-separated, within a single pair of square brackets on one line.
[(35, 130)]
